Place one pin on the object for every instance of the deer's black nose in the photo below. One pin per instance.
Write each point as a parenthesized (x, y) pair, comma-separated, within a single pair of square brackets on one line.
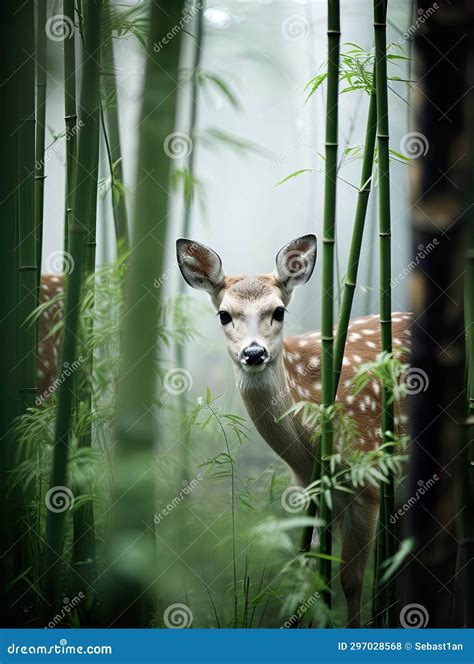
[(254, 355)]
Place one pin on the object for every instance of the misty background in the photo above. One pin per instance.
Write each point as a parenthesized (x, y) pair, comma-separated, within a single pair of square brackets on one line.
[(266, 51)]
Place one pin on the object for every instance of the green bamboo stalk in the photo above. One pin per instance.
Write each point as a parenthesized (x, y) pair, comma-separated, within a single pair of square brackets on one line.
[(70, 118), (18, 384), (193, 119), (387, 493), (327, 312), (9, 385), (28, 270), (40, 126), (26, 212), (110, 125), (188, 202), (350, 283), (131, 549), (82, 244), (90, 105), (369, 272), (357, 231), (356, 243)]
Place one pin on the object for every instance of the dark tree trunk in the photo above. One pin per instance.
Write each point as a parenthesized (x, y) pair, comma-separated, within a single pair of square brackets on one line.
[(443, 43)]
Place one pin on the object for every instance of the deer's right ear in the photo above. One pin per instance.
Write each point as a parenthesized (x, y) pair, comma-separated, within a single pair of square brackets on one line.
[(295, 262), (200, 266)]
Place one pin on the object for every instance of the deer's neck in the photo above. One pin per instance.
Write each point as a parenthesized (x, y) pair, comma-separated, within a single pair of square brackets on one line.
[(267, 396)]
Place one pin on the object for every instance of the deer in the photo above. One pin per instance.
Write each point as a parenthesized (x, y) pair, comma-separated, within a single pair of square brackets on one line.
[(273, 372)]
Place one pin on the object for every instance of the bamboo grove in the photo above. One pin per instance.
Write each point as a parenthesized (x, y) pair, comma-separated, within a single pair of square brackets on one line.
[(103, 437)]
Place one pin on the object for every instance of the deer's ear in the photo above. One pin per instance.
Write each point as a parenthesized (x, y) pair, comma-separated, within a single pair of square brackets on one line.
[(295, 262), (200, 266)]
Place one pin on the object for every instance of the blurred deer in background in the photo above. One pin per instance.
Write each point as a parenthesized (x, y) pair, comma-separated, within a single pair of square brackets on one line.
[(49, 343), (273, 372)]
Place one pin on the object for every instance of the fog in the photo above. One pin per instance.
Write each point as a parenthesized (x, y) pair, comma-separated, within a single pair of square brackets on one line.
[(266, 52)]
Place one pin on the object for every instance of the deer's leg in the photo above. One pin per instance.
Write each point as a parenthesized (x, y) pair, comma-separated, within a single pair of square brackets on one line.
[(357, 529)]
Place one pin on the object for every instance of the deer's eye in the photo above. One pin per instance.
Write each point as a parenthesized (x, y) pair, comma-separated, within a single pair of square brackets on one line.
[(279, 314), (225, 317)]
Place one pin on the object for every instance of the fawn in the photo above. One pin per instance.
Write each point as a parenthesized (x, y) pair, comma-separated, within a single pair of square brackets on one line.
[(273, 372)]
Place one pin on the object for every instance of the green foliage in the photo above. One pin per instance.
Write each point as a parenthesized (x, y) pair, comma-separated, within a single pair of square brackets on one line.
[(389, 370), (125, 22), (210, 80), (356, 70)]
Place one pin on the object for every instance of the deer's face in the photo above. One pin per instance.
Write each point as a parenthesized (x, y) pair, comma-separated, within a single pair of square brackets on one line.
[(251, 309)]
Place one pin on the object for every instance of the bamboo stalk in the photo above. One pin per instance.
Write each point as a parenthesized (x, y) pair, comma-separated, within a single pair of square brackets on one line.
[(327, 312), (26, 212), (131, 549), (387, 494), (110, 125), (188, 202), (18, 366), (82, 246), (70, 118), (40, 126), (84, 553), (9, 386), (356, 243)]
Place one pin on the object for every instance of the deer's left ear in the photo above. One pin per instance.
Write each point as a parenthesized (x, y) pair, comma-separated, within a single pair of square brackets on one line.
[(295, 262), (200, 266)]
